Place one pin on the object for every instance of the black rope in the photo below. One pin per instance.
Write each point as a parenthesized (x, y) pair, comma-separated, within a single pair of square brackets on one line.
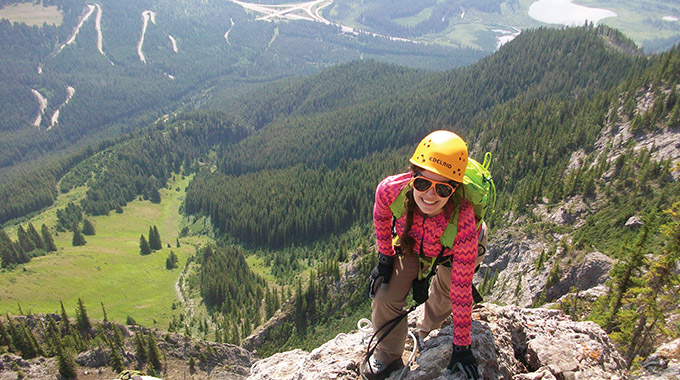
[(391, 324)]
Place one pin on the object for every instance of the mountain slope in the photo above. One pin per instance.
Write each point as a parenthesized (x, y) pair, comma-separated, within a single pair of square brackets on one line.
[(116, 66), (295, 187)]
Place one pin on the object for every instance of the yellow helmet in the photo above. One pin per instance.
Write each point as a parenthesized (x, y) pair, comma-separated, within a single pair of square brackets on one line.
[(444, 153)]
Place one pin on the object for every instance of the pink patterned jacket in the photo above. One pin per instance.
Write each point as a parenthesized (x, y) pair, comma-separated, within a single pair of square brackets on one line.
[(426, 233)]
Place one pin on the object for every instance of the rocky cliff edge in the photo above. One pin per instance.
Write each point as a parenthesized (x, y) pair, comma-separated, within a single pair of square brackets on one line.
[(509, 342)]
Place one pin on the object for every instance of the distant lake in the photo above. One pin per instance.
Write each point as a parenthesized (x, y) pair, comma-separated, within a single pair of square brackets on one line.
[(566, 13)]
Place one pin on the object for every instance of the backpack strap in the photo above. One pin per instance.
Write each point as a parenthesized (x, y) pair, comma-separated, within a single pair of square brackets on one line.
[(398, 208)]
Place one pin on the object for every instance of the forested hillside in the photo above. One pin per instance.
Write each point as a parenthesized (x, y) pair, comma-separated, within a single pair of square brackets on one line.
[(287, 172), (115, 66), (456, 100)]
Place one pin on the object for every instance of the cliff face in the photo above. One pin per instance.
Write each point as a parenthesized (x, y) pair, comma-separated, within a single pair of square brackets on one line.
[(509, 342)]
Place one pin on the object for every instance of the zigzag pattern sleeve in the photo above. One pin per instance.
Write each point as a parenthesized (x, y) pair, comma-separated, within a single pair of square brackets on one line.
[(386, 192), (462, 270)]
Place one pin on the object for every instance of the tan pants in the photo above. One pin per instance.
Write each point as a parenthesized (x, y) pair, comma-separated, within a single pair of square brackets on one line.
[(391, 302)]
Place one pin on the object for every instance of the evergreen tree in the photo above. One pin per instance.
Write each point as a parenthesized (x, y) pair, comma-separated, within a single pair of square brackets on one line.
[(155, 196), (116, 361), (5, 339), (144, 248), (624, 273), (52, 333), (104, 311), (648, 305), (35, 236), (22, 256), (82, 320), (23, 339), (154, 353), (178, 243), (129, 320), (158, 237), (25, 241), (78, 238), (47, 238), (172, 261), (65, 362), (8, 254), (140, 349), (72, 213), (64, 320), (88, 228), (118, 337), (154, 239), (268, 304)]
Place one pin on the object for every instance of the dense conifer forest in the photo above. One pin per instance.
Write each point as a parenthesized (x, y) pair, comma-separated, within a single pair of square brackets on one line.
[(115, 91), (287, 173)]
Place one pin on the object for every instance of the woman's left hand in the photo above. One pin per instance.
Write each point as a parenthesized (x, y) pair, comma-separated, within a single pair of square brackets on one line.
[(463, 360)]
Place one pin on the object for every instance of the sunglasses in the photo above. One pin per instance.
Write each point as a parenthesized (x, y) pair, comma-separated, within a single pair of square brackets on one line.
[(443, 189)]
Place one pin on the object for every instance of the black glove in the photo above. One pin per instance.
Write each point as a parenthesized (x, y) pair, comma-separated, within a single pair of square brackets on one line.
[(463, 360), (420, 290), (381, 273)]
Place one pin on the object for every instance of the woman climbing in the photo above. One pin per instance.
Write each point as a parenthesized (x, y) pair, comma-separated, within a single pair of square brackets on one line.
[(410, 246)]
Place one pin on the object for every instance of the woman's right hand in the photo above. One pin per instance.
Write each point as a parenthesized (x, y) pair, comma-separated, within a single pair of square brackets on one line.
[(381, 273)]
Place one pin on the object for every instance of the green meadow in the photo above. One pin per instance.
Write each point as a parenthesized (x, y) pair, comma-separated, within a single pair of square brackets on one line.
[(32, 14), (109, 268)]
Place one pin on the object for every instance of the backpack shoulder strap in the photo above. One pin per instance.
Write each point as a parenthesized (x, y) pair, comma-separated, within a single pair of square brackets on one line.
[(398, 207)]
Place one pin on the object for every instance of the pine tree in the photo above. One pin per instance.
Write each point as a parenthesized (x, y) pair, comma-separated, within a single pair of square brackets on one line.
[(153, 352), (22, 256), (118, 337), (178, 243), (5, 339), (8, 254), (140, 350), (155, 196), (144, 248), (157, 236), (171, 261), (116, 361), (104, 311), (65, 362), (47, 238), (648, 305), (25, 242), (82, 320), (23, 339), (154, 239), (35, 236), (268, 304), (64, 320), (88, 228), (674, 117), (78, 238), (623, 275)]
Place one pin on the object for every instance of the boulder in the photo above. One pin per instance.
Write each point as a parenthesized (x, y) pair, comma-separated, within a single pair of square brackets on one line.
[(634, 222), (591, 272), (664, 364)]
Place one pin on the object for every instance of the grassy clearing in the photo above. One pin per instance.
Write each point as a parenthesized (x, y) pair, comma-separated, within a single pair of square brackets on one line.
[(108, 268), (256, 264), (415, 19), (32, 14)]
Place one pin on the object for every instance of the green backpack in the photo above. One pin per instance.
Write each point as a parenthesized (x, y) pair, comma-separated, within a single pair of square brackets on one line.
[(478, 188)]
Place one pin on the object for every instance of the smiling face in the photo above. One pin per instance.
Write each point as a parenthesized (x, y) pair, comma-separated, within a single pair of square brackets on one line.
[(428, 201)]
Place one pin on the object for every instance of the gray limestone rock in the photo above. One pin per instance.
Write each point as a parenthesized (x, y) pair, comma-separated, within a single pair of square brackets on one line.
[(508, 342)]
